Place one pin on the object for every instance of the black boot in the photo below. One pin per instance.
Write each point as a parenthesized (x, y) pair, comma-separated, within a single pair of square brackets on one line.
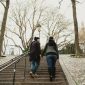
[(50, 73), (53, 73), (51, 79)]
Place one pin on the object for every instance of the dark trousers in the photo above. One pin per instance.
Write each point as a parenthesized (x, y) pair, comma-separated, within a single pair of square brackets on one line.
[(35, 62), (51, 61), (34, 66)]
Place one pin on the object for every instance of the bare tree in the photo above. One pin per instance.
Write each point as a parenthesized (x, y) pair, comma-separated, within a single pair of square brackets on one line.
[(3, 26), (77, 48), (26, 19), (56, 25), (82, 37), (37, 14), (82, 34), (15, 44)]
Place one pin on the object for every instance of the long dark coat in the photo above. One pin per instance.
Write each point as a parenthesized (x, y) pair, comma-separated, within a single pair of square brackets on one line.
[(35, 51)]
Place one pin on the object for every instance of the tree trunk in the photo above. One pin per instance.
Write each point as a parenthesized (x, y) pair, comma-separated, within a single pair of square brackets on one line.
[(3, 26), (77, 48)]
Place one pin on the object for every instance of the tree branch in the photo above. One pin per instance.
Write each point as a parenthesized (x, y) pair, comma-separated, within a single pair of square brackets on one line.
[(60, 3), (14, 42), (2, 4)]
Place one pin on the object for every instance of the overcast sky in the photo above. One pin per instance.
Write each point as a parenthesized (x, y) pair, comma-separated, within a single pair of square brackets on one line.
[(66, 8)]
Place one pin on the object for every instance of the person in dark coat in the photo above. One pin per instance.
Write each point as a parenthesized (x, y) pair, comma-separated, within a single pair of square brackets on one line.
[(51, 53), (34, 58)]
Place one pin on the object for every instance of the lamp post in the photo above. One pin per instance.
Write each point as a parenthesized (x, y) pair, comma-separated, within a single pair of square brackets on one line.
[(12, 51), (38, 26)]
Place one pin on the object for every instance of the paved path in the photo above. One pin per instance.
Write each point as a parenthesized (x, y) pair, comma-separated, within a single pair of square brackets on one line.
[(76, 67)]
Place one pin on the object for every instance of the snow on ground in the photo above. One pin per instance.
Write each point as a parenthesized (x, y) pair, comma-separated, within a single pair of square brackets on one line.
[(76, 67)]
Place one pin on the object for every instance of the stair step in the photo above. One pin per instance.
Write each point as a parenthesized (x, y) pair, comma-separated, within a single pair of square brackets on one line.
[(21, 78), (6, 76), (18, 76), (34, 83)]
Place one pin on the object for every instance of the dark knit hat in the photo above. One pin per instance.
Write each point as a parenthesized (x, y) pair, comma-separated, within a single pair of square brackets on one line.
[(51, 38), (35, 38)]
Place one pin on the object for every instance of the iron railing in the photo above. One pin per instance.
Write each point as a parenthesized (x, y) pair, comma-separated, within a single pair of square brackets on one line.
[(11, 62)]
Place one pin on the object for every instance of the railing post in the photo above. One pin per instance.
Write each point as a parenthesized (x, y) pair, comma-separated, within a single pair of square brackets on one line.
[(25, 68), (14, 73)]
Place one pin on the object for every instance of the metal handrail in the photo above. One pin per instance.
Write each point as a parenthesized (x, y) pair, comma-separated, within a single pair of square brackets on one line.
[(25, 68), (14, 60), (11, 62), (14, 74)]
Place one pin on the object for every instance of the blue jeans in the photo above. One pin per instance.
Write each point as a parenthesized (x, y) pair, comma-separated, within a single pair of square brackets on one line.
[(51, 61), (34, 66)]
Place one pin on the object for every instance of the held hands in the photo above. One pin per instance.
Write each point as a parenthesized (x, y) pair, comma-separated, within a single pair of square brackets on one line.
[(41, 57)]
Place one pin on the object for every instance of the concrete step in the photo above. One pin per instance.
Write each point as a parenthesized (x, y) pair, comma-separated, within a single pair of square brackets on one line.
[(21, 75), (34, 83), (33, 79), (6, 77), (39, 70)]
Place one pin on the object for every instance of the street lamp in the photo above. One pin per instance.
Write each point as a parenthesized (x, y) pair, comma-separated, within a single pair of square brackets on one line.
[(12, 51), (38, 26)]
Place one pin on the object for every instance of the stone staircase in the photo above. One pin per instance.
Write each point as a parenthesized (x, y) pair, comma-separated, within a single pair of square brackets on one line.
[(6, 76)]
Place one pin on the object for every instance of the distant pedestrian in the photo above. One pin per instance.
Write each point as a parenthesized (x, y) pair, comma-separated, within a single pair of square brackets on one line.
[(34, 58), (51, 53)]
